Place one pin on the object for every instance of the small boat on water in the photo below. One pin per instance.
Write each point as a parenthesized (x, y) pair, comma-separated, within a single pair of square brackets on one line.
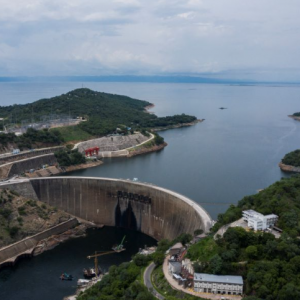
[(65, 276), (90, 273)]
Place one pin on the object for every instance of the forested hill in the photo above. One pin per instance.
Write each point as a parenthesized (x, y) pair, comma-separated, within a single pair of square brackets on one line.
[(104, 111), (292, 158)]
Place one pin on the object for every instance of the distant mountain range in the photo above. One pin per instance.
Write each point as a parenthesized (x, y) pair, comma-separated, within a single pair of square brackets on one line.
[(131, 78)]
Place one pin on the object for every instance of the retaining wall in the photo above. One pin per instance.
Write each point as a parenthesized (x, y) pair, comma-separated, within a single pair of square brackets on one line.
[(10, 254), (21, 166), (27, 154)]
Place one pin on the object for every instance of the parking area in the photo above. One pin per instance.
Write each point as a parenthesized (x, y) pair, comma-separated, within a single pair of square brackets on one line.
[(243, 224)]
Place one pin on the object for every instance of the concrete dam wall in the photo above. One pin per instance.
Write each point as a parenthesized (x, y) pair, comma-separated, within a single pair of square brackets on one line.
[(155, 211)]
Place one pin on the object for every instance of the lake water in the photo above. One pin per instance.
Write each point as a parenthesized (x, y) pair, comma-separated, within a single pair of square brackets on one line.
[(233, 153)]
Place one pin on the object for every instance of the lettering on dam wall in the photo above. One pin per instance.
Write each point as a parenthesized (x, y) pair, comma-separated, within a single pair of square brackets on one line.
[(153, 210), (121, 195)]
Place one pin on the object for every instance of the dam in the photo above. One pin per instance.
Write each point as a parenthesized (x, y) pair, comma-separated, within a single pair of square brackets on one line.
[(155, 211)]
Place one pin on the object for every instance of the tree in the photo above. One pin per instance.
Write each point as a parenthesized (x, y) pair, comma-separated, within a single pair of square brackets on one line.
[(288, 292), (141, 260), (251, 251), (158, 258), (215, 264)]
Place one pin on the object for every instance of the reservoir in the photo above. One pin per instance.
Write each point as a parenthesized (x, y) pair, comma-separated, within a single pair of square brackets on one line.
[(233, 153)]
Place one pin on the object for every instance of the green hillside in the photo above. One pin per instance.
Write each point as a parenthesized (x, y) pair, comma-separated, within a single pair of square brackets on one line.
[(292, 159), (104, 112)]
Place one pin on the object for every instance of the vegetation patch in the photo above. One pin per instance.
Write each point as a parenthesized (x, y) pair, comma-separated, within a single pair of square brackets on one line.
[(270, 267), (67, 158), (281, 198), (21, 217), (32, 139), (104, 113), (73, 133), (292, 159), (122, 282)]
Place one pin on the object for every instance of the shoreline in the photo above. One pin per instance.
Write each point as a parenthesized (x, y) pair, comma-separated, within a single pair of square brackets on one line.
[(146, 108), (289, 168), (144, 150), (178, 125), (294, 117)]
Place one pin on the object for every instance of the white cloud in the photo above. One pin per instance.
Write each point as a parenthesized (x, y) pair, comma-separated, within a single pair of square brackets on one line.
[(65, 37)]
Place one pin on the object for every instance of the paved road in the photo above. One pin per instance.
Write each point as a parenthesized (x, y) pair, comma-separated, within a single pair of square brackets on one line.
[(148, 283)]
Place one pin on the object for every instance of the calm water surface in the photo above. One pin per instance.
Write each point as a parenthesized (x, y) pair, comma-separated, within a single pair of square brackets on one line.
[(38, 278), (233, 153)]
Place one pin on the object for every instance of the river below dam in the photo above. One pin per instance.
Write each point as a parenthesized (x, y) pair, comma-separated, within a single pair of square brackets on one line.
[(233, 153), (38, 278)]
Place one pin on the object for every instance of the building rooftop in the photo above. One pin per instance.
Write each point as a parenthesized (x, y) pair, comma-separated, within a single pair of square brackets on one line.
[(256, 214), (271, 216), (174, 263), (218, 278), (252, 212)]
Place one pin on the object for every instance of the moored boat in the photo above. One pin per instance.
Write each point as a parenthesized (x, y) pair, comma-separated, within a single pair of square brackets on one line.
[(65, 276), (90, 273)]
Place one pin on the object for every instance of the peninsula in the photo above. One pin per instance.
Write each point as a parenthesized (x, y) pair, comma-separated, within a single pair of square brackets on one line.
[(81, 120)]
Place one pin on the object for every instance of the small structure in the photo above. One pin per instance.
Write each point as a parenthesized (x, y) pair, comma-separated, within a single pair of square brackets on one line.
[(179, 279), (176, 249), (258, 221), (218, 284), (174, 267), (188, 266), (91, 151), (15, 151)]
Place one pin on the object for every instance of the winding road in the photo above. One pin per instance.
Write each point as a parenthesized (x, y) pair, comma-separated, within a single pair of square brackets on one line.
[(148, 283)]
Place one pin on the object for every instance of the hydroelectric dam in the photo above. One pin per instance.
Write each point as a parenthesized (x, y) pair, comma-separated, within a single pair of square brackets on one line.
[(155, 211)]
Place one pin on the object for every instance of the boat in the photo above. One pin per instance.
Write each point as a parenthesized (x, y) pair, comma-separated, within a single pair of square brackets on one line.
[(119, 248), (65, 276), (82, 282), (90, 273)]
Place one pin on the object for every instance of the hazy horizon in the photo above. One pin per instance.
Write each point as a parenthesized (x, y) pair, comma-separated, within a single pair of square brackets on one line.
[(230, 41)]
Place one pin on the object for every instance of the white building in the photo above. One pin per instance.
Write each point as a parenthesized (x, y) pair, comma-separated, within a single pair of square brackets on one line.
[(258, 221), (218, 284)]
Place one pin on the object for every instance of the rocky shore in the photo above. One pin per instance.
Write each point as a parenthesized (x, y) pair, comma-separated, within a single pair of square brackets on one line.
[(294, 117), (287, 168), (143, 150), (55, 240), (88, 164), (178, 125)]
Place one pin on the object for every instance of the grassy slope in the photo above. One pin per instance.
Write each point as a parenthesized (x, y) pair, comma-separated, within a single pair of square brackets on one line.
[(73, 133)]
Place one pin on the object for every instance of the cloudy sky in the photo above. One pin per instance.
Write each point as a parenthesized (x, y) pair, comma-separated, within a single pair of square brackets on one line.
[(251, 39)]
